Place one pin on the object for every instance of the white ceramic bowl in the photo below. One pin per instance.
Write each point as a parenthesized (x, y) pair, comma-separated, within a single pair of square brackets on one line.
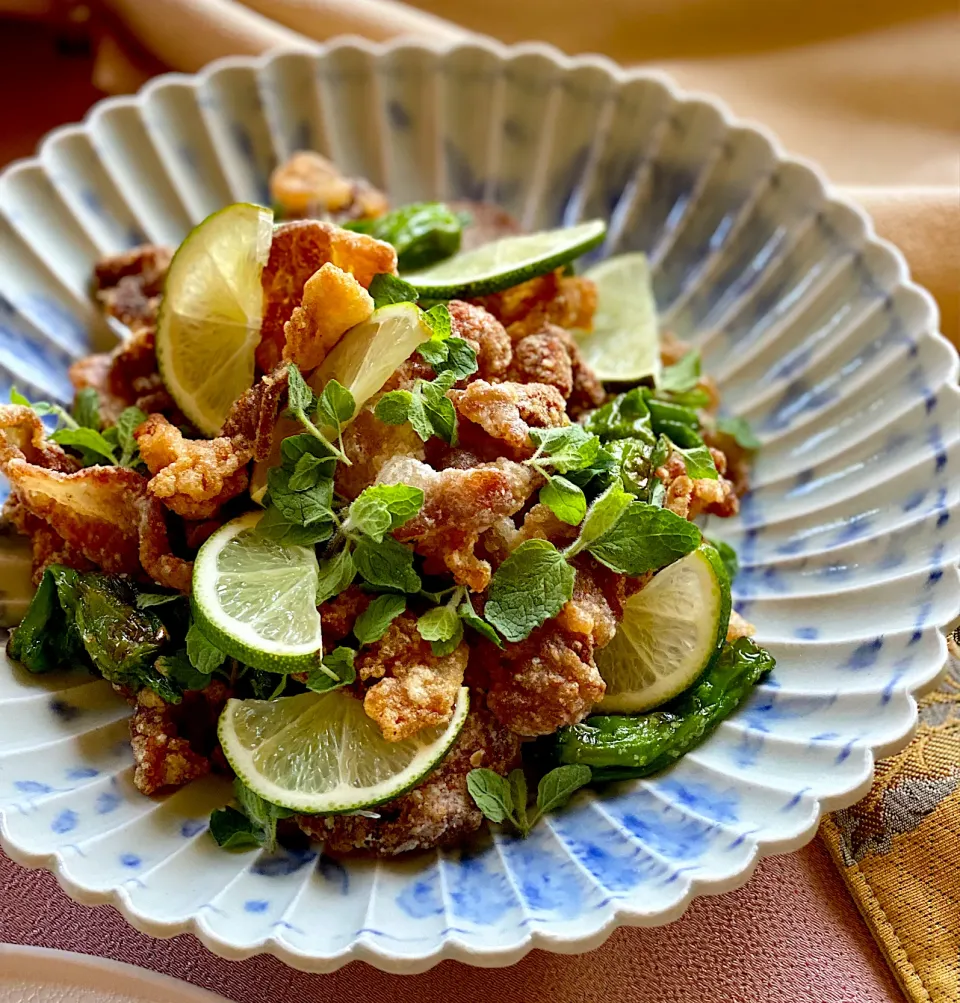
[(810, 325)]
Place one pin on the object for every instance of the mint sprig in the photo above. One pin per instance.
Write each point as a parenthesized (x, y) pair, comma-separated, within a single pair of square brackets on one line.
[(426, 408), (504, 799)]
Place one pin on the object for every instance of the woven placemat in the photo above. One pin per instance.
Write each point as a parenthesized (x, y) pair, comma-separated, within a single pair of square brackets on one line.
[(899, 850)]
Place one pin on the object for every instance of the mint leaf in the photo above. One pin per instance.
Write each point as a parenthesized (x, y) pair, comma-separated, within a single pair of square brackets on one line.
[(728, 555), (565, 500), (601, 517), (86, 409), (491, 794), (203, 654), (517, 782), (681, 376), (129, 420), (334, 671), (336, 574), (301, 508), (439, 408), (263, 814), (740, 431), (91, 443), (146, 599), (336, 404), (666, 417), (531, 585), (557, 787), (274, 526), (426, 408), (443, 628), (387, 565), (467, 613), (300, 398), (181, 673), (294, 447), (564, 449), (633, 460), (645, 538), (699, 463), (626, 416), (437, 320), (386, 289), (384, 507), (234, 831), (307, 473), (373, 622), (461, 358), (400, 406)]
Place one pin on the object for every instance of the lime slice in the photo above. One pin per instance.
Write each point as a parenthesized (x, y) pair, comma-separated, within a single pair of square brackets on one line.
[(209, 321), (507, 262), (669, 632), (624, 345), (319, 753), (362, 361), (256, 599)]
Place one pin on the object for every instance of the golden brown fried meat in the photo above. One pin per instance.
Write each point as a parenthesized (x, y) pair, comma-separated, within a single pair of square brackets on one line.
[(507, 411), (253, 416), (171, 743), (156, 556), (739, 627), (459, 505), (22, 436), (47, 546), (438, 811), (340, 613), (568, 301), (192, 477), (307, 184), (552, 356), (688, 498), (416, 689), (486, 335), (551, 679), (299, 249), (129, 285), (539, 523), (333, 302), (369, 444)]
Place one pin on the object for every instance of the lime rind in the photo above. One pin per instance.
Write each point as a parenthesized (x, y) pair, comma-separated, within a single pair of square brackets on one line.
[(507, 262), (319, 753), (255, 598), (208, 325), (669, 633)]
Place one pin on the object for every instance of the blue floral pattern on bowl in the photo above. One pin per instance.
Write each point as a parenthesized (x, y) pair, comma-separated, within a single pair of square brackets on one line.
[(847, 538)]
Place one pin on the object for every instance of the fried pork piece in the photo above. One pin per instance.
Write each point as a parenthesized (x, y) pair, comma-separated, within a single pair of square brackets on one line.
[(568, 301), (507, 411), (340, 613), (369, 444), (417, 689), (129, 285), (485, 334), (192, 477), (47, 546), (538, 524), (552, 356), (739, 627), (156, 556), (438, 811), (333, 302), (299, 249), (308, 184), (688, 498), (22, 436), (253, 416), (459, 505), (166, 757), (551, 679)]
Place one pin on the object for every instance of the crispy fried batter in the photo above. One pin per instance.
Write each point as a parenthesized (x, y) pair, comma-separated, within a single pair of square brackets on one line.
[(688, 498), (739, 627), (192, 477), (567, 301), (300, 249), (165, 758), (47, 546), (340, 613), (438, 811), (485, 334), (417, 689), (507, 411), (551, 679), (369, 444), (543, 358), (93, 510), (539, 523), (458, 506), (253, 416), (156, 557), (333, 302), (129, 285), (22, 436), (308, 184)]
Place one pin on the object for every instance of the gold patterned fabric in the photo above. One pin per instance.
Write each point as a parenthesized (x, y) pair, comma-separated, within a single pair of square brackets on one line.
[(899, 850)]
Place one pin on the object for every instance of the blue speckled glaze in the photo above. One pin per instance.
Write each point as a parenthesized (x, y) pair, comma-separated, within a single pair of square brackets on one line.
[(845, 540)]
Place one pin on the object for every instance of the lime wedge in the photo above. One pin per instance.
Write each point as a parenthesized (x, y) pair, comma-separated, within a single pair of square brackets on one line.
[(669, 632), (256, 599), (506, 262), (319, 753), (209, 321), (362, 361), (624, 345)]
